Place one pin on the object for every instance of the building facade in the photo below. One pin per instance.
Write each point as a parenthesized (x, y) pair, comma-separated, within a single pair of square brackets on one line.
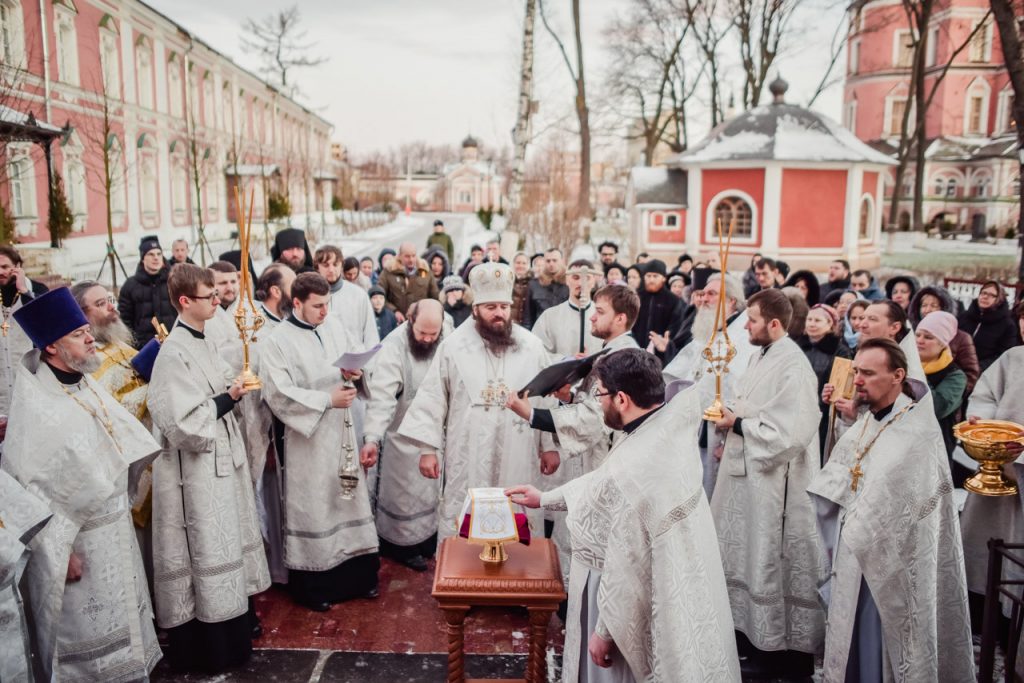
[(157, 121), (972, 169)]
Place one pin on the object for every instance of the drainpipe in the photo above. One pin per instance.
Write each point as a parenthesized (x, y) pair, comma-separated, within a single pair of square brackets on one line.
[(46, 59)]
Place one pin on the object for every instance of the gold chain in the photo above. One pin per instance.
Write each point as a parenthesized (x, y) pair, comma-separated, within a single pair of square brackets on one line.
[(107, 423), (856, 472), (6, 311)]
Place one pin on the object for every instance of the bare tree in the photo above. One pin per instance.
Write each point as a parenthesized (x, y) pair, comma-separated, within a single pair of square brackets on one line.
[(281, 47), (710, 30), (521, 132), (762, 30), (576, 72), (548, 215)]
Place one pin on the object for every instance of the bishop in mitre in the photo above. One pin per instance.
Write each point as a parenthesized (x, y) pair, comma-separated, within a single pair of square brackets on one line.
[(766, 526), (70, 443), (330, 542), (647, 595), (565, 329), (460, 406), (690, 364), (207, 552), (897, 595), (406, 500)]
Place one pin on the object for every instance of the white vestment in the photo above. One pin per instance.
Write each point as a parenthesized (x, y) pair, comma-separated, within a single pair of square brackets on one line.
[(321, 529), (12, 347), (642, 533), (58, 447), (997, 396), (564, 328), (351, 305), (766, 525), (207, 552), (897, 560), (485, 444), (406, 500), (690, 365), (22, 516)]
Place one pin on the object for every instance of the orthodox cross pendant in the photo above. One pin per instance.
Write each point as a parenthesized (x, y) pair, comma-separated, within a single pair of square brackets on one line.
[(5, 326), (495, 394), (855, 474)]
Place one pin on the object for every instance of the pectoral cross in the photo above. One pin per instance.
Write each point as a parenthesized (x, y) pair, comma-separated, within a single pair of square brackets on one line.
[(495, 394), (855, 474), (5, 326)]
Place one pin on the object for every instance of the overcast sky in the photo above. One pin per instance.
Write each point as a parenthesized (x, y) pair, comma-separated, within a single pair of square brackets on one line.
[(435, 70)]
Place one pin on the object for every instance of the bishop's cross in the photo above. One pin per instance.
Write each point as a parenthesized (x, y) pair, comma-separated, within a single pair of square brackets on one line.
[(855, 474), (495, 394)]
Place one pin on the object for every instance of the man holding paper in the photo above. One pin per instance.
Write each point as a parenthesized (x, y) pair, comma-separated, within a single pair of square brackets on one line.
[(330, 542)]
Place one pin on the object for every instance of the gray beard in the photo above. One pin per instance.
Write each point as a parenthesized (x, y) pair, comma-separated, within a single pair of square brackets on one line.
[(86, 366), (703, 325), (115, 332)]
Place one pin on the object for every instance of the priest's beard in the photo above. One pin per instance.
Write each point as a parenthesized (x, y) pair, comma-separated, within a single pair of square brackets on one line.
[(113, 332), (703, 325), (421, 350), (496, 339), (85, 366), (612, 417)]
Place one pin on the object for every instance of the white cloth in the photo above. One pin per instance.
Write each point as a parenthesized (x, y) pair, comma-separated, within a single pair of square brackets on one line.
[(484, 445), (406, 500), (22, 516), (207, 552), (58, 448), (321, 529), (561, 328), (12, 347), (351, 305), (642, 522), (766, 525), (898, 534)]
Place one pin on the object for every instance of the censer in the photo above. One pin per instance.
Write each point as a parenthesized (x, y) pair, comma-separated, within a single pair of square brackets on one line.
[(246, 309), (349, 471), (719, 352)]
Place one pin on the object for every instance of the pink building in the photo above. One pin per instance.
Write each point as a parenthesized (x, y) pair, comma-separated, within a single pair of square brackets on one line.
[(972, 170), (176, 108)]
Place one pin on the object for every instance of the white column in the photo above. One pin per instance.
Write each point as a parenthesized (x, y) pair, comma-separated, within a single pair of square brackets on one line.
[(851, 222), (771, 209), (694, 211)]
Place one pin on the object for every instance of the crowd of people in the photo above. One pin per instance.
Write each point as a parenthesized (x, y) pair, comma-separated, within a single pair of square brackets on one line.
[(147, 484)]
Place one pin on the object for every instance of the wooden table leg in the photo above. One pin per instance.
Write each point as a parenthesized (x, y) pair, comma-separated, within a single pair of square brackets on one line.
[(455, 618), (536, 662)]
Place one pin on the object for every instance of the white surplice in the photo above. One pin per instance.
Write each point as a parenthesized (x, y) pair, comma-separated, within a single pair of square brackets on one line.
[(13, 346), (406, 500), (321, 529), (896, 552), (350, 304), (766, 526), (58, 448), (485, 445), (207, 551), (563, 328), (643, 538)]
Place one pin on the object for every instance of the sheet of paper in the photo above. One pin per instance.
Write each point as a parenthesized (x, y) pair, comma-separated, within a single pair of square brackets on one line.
[(353, 361)]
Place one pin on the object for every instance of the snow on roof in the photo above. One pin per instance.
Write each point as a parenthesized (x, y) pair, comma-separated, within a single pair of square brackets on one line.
[(657, 185), (251, 169), (9, 115)]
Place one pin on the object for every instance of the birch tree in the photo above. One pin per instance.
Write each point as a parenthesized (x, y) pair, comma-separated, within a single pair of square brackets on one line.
[(524, 107)]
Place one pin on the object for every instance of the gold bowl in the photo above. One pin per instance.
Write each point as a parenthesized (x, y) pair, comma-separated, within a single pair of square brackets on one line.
[(987, 441)]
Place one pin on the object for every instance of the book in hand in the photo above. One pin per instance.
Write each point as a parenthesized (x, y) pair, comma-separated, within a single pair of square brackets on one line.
[(555, 376)]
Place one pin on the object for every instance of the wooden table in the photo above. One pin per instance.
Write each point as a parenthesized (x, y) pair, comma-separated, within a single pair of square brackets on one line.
[(530, 578)]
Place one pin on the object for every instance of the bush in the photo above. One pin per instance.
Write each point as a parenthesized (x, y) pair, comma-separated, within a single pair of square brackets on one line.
[(336, 203), (1011, 232), (485, 216), (278, 206), (993, 231), (61, 219), (7, 234)]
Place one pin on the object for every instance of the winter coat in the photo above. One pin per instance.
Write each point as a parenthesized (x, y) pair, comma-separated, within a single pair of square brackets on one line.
[(142, 297), (402, 290), (962, 346), (541, 294), (443, 241), (660, 312), (428, 256), (947, 387), (386, 322), (873, 293), (459, 312), (837, 286), (519, 293), (820, 354), (750, 284), (994, 331)]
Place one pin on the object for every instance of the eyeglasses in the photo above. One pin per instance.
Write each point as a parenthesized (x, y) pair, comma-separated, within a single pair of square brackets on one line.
[(208, 297), (989, 293), (603, 393)]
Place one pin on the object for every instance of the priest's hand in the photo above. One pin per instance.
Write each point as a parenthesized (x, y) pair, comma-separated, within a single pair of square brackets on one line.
[(368, 455), (74, 568), (429, 467), (352, 376), (342, 396), (21, 282), (826, 393), (549, 462), (601, 651), (847, 407), (237, 389), (525, 495), (660, 341), (727, 421), (520, 405)]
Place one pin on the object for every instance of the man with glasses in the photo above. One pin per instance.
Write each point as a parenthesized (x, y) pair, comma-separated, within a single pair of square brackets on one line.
[(608, 251), (207, 552), (990, 324)]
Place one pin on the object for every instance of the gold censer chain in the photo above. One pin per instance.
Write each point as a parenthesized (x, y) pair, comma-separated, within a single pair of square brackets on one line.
[(107, 423), (856, 472)]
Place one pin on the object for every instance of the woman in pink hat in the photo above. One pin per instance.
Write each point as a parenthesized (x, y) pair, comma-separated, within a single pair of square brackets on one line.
[(947, 382)]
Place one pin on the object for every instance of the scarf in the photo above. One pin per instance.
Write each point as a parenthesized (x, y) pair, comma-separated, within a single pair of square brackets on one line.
[(933, 366), (850, 335)]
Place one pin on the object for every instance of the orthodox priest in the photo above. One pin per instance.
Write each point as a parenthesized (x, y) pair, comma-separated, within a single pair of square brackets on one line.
[(565, 329), (406, 501), (70, 443), (330, 542), (766, 526), (207, 552), (16, 289), (460, 405), (22, 517), (647, 596), (897, 596), (691, 366), (349, 302)]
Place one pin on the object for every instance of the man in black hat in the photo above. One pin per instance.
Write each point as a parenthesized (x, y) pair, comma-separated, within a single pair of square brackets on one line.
[(290, 247), (442, 239), (144, 294), (661, 312)]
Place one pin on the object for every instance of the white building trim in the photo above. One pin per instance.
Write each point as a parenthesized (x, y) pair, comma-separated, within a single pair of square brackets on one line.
[(711, 230)]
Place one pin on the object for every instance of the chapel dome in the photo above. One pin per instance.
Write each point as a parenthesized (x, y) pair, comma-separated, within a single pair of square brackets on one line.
[(470, 141)]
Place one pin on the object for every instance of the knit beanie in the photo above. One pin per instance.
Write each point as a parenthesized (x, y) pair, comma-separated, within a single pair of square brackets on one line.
[(148, 244), (941, 325)]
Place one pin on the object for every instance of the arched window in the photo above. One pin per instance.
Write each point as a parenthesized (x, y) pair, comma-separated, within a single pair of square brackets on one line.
[(982, 185), (148, 190), (12, 34), (734, 208), (179, 182), (22, 177), (74, 180), (174, 86), (867, 217), (117, 178), (209, 115), (109, 57), (952, 187), (144, 66)]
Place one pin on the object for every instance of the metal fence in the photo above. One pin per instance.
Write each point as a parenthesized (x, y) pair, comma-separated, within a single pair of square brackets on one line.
[(998, 588), (966, 291)]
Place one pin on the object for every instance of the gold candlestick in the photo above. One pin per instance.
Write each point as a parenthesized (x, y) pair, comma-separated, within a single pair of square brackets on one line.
[(719, 352), (246, 309)]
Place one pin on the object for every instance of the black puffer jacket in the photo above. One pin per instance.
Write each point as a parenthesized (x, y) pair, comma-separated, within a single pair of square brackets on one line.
[(994, 331), (660, 312), (541, 294), (143, 296), (821, 354)]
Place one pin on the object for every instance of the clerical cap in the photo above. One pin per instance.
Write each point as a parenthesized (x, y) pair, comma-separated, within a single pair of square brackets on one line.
[(700, 278), (50, 316), (492, 283), (654, 266), (145, 359), (289, 238)]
